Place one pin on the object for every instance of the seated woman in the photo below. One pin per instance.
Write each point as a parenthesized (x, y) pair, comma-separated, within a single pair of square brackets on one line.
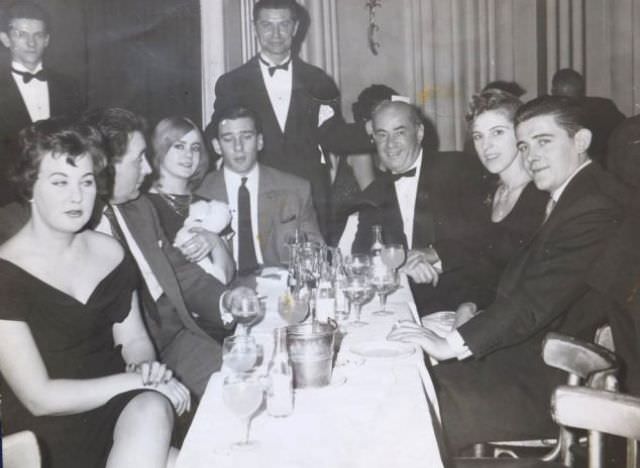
[(180, 162), (78, 368)]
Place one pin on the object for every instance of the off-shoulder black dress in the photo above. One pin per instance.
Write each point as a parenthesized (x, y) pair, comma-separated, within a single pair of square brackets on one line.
[(75, 341)]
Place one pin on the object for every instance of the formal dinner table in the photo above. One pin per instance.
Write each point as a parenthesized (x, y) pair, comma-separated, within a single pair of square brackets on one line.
[(380, 409)]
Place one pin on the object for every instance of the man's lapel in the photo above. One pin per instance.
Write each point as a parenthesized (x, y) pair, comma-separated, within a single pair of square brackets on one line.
[(267, 207), (11, 101), (424, 232)]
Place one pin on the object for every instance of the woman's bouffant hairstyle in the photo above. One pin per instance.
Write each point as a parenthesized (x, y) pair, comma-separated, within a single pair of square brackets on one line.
[(493, 99), (59, 137), (166, 133)]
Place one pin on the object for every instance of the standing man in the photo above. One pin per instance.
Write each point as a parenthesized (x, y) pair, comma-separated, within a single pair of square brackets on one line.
[(425, 201), (267, 204), (28, 92), (296, 102), (500, 388)]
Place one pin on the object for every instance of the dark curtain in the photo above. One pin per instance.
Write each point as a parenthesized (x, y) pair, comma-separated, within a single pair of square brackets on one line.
[(144, 55)]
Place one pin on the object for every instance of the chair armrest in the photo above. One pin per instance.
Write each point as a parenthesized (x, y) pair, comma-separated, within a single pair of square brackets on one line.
[(576, 356)]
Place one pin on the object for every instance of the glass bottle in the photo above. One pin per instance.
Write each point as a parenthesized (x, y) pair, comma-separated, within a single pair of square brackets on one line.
[(325, 296), (377, 245), (280, 394), (339, 282)]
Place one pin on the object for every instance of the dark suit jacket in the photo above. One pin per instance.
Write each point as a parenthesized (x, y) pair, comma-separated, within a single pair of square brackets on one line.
[(284, 203), (448, 207), (182, 344), (543, 289), (65, 99), (603, 116)]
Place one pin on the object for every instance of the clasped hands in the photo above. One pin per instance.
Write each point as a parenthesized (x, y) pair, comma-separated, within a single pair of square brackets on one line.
[(159, 377), (420, 266), (200, 244)]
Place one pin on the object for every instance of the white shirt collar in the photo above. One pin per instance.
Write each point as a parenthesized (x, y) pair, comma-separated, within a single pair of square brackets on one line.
[(558, 192), (21, 68), (271, 62), (229, 174)]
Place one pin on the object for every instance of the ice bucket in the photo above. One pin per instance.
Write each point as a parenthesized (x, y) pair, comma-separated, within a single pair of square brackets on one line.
[(310, 348)]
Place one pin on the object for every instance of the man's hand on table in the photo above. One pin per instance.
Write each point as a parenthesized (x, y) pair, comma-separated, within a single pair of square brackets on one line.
[(432, 344), (419, 268)]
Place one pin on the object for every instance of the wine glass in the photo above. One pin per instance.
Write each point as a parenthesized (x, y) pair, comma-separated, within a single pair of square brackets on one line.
[(309, 260), (383, 280), (357, 264), (358, 291), (393, 255), (247, 310), (242, 393), (293, 307), (241, 353)]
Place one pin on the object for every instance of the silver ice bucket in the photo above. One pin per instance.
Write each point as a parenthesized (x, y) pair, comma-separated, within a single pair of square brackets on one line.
[(310, 348)]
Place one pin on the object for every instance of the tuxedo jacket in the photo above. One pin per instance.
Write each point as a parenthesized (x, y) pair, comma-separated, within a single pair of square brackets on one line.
[(284, 203), (64, 99), (505, 384), (449, 207)]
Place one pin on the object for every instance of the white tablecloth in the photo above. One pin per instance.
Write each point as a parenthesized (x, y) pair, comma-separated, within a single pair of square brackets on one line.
[(376, 413)]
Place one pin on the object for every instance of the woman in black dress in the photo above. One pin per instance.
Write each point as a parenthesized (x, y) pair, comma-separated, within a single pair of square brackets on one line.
[(180, 162), (78, 368)]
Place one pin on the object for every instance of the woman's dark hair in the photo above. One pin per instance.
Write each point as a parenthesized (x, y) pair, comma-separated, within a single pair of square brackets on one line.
[(59, 137), (368, 99), (166, 133), (493, 99)]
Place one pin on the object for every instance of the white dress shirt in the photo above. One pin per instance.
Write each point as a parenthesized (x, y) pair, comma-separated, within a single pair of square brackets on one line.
[(35, 93), (407, 191), (279, 88), (454, 339), (233, 181)]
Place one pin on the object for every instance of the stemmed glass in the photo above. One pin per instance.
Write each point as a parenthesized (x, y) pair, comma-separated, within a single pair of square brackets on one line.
[(384, 280), (393, 255), (293, 307), (242, 393), (358, 291), (247, 310), (241, 353), (357, 264)]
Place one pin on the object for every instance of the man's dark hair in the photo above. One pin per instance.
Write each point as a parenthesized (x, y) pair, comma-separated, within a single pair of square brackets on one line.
[(568, 82), (58, 137), (24, 9), (231, 113), (567, 112), (290, 5)]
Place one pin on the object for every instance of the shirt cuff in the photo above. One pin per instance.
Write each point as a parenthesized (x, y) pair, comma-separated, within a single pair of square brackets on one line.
[(225, 315), (456, 342), (438, 266)]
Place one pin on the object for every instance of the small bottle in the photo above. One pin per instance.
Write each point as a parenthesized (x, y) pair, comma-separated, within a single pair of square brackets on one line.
[(377, 245), (339, 283), (280, 394), (293, 276), (325, 296)]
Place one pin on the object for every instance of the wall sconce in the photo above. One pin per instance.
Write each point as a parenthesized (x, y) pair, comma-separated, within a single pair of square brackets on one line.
[(373, 28)]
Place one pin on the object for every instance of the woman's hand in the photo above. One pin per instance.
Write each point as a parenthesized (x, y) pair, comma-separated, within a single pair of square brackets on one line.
[(199, 245), (177, 394), (430, 342), (152, 372)]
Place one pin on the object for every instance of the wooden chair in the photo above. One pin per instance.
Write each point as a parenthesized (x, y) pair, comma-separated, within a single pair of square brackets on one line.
[(20, 450), (586, 364)]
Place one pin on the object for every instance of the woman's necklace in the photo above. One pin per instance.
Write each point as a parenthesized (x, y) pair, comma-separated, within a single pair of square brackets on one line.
[(178, 203), (505, 199)]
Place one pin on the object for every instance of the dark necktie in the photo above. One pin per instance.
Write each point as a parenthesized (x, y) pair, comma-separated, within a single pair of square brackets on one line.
[(116, 230), (272, 68), (247, 261), (409, 173), (26, 76)]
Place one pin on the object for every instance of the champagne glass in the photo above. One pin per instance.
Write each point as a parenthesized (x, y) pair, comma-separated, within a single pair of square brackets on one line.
[(241, 353), (357, 264), (293, 307), (247, 310), (358, 291), (242, 393), (384, 280), (393, 255)]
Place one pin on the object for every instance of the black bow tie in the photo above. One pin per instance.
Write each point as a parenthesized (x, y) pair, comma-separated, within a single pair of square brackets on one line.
[(409, 173), (26, 76), (272, 68)]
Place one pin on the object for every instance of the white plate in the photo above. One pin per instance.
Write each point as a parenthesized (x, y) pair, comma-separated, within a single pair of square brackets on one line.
[(383, 349)]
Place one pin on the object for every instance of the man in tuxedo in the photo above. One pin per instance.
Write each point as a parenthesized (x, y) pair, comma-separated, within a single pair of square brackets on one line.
[(29, 91), (500, 388), (267, 204), (297, 103), (602, 115), (425, 201)]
